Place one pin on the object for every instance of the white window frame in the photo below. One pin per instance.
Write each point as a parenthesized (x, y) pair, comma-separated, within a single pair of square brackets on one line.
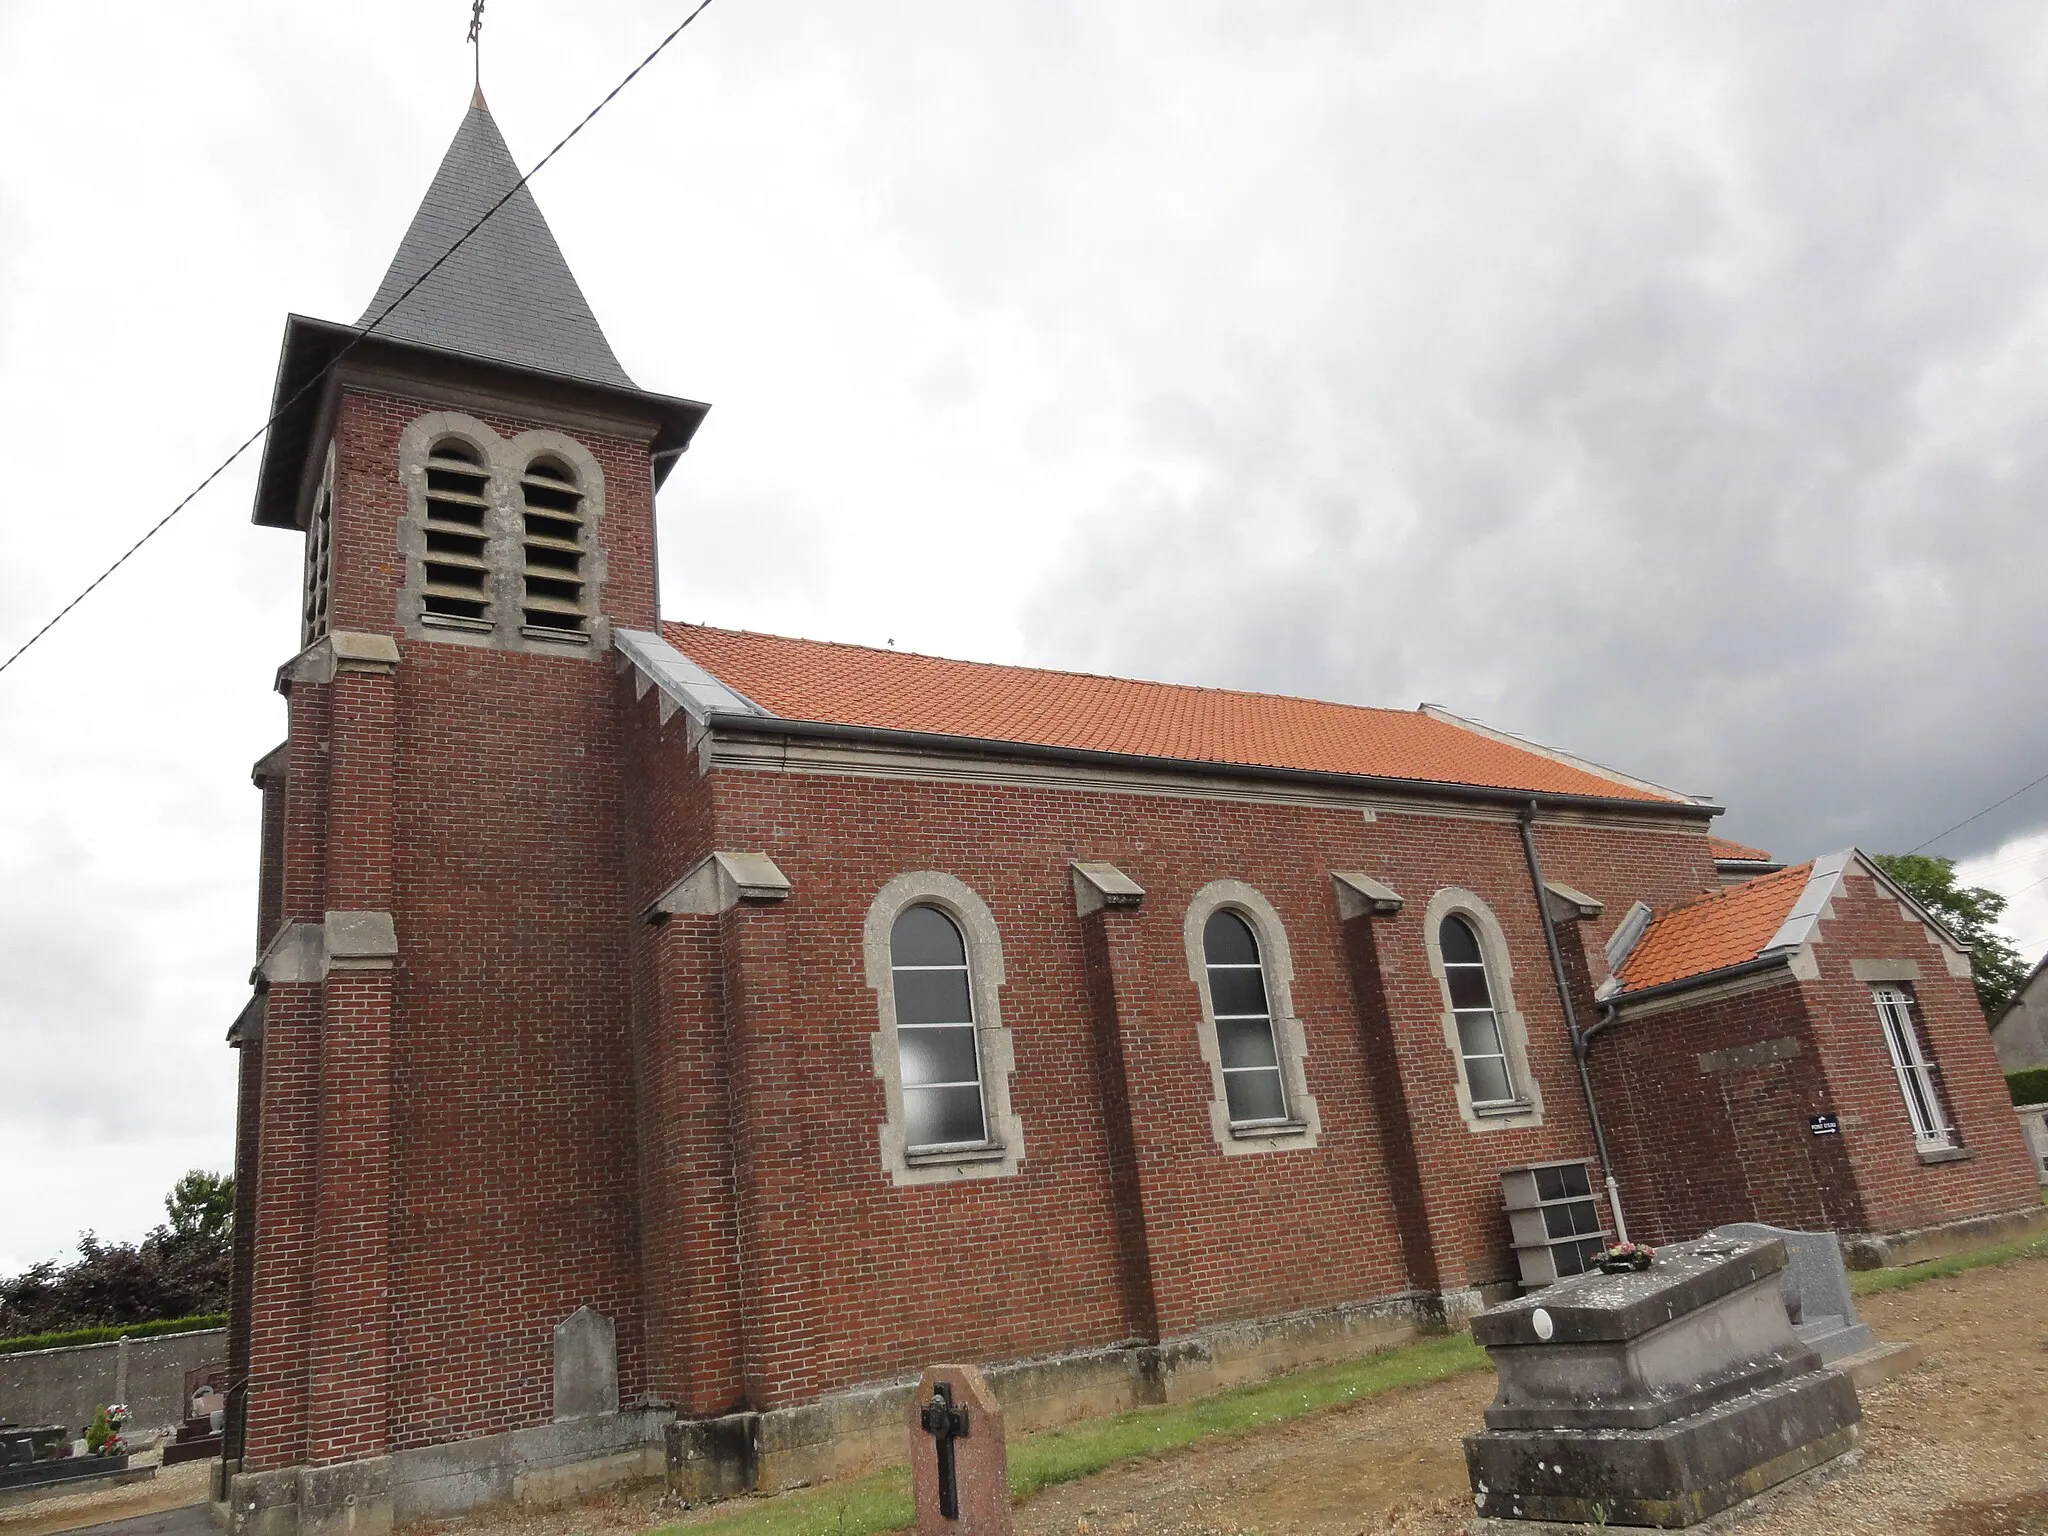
[(1526, 1109), (1932, 1129), (1466, 1057), (966, 968), (1209, 970), (1003, 1151), (1303, 1128)]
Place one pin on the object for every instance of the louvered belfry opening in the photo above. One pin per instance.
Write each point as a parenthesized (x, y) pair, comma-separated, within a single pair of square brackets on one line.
[(319, 568), (457, 577), (553, 569)]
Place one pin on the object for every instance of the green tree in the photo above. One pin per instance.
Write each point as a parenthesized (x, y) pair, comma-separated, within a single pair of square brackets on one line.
[(1969, 912), (202, 1204)]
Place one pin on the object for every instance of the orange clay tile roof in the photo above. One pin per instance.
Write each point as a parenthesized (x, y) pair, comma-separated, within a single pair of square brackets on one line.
[(897, 690), (1724, 849), (1723, 929)]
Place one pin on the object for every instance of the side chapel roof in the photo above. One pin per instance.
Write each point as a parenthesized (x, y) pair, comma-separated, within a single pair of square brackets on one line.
[(1767, 918), (1714, 932), (858, 686)]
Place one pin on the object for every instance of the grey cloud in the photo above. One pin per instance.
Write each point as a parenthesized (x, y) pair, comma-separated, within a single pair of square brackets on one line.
[(1722, 467)]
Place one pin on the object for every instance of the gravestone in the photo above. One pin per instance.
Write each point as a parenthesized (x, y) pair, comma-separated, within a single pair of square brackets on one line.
[(1815, 1287), (586, 1365), (1653, 1398), (959, 1469)]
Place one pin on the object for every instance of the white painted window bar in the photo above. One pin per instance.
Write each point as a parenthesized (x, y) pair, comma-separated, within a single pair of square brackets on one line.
[(1931, 1129)]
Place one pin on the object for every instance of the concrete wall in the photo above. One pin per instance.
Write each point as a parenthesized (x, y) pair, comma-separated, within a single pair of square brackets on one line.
[(64, 1386), (2021, 1033), (2034, 1121)]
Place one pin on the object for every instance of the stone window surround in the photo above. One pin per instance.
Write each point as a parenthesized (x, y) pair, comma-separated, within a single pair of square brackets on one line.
[(1304, 1130), (1000, 1158), (505, 460), (1527, 1110)]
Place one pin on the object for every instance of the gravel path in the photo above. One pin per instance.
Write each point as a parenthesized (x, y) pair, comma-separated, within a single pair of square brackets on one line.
[(172, 1488), (1956, 1447)]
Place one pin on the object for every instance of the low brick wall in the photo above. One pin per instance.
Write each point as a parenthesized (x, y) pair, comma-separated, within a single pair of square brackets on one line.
[(64, 1386), (2034, 1121)]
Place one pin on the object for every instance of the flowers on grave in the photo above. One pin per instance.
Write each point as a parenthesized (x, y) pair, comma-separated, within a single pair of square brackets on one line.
[(1627, 1258), (103, 1435)]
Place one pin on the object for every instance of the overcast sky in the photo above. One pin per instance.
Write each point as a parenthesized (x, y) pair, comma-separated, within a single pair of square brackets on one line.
[(1665, 382)]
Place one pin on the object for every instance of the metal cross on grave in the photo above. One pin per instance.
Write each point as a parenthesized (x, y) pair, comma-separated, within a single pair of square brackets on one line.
[(945, 1423)]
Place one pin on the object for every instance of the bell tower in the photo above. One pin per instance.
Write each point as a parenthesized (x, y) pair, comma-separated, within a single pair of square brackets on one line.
[(436, 1151)]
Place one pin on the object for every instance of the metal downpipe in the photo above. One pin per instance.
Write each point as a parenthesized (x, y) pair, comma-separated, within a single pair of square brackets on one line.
[(1581, 1041)]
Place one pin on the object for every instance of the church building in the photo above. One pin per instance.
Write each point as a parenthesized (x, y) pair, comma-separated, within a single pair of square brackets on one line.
[(666, 1040)]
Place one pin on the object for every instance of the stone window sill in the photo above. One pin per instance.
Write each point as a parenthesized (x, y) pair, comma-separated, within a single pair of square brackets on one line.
[(1931, 1155), (554, 636), (456, 621), (1504, 1111), (934, 1157), (1269, 1131)]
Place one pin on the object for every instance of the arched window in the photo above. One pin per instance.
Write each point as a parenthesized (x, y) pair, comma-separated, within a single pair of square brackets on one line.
[(457, 585), (937, 1044), (1252, 1083), (552, 571), (1487, 1074)]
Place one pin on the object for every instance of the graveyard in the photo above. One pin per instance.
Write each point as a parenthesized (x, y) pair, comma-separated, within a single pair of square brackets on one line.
[(1956, 1444)]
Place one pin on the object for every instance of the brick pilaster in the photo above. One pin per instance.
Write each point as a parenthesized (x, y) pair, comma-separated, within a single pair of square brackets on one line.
[(1397, 1140), (348, 1409), (287, 1127), (774, 1096), (688, 1221), (1110, 944)]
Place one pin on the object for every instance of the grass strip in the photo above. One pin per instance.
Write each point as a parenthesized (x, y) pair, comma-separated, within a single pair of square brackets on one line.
[(881, 1501), (1871, 1282)]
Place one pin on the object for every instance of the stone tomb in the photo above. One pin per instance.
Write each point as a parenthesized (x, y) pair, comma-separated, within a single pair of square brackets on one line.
[(1656, 1398), (959, 1467), (1815, 1286)]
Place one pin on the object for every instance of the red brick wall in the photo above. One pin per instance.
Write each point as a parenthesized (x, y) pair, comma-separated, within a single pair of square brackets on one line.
[(478, 796), (850, 1278), (1899, 1191), (1695, 1148)]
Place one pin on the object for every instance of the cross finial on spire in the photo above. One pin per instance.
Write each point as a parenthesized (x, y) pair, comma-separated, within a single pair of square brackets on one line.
[(476, 39)]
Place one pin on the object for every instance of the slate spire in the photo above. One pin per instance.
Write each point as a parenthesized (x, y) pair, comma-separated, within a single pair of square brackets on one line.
[(507, 295)]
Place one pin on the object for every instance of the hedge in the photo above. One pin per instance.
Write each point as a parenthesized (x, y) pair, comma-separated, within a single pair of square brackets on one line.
[(2030, 1086), (72, 1336)]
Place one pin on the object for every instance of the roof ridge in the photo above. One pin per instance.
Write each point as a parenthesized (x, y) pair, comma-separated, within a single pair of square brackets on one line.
[(1016, 666), (1728, 892)]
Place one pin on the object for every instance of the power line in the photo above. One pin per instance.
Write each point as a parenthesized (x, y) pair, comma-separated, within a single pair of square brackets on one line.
[(1985, 812), (357, 340)]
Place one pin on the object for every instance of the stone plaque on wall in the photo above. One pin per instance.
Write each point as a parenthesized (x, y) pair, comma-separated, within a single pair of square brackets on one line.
[(586, 1365)]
